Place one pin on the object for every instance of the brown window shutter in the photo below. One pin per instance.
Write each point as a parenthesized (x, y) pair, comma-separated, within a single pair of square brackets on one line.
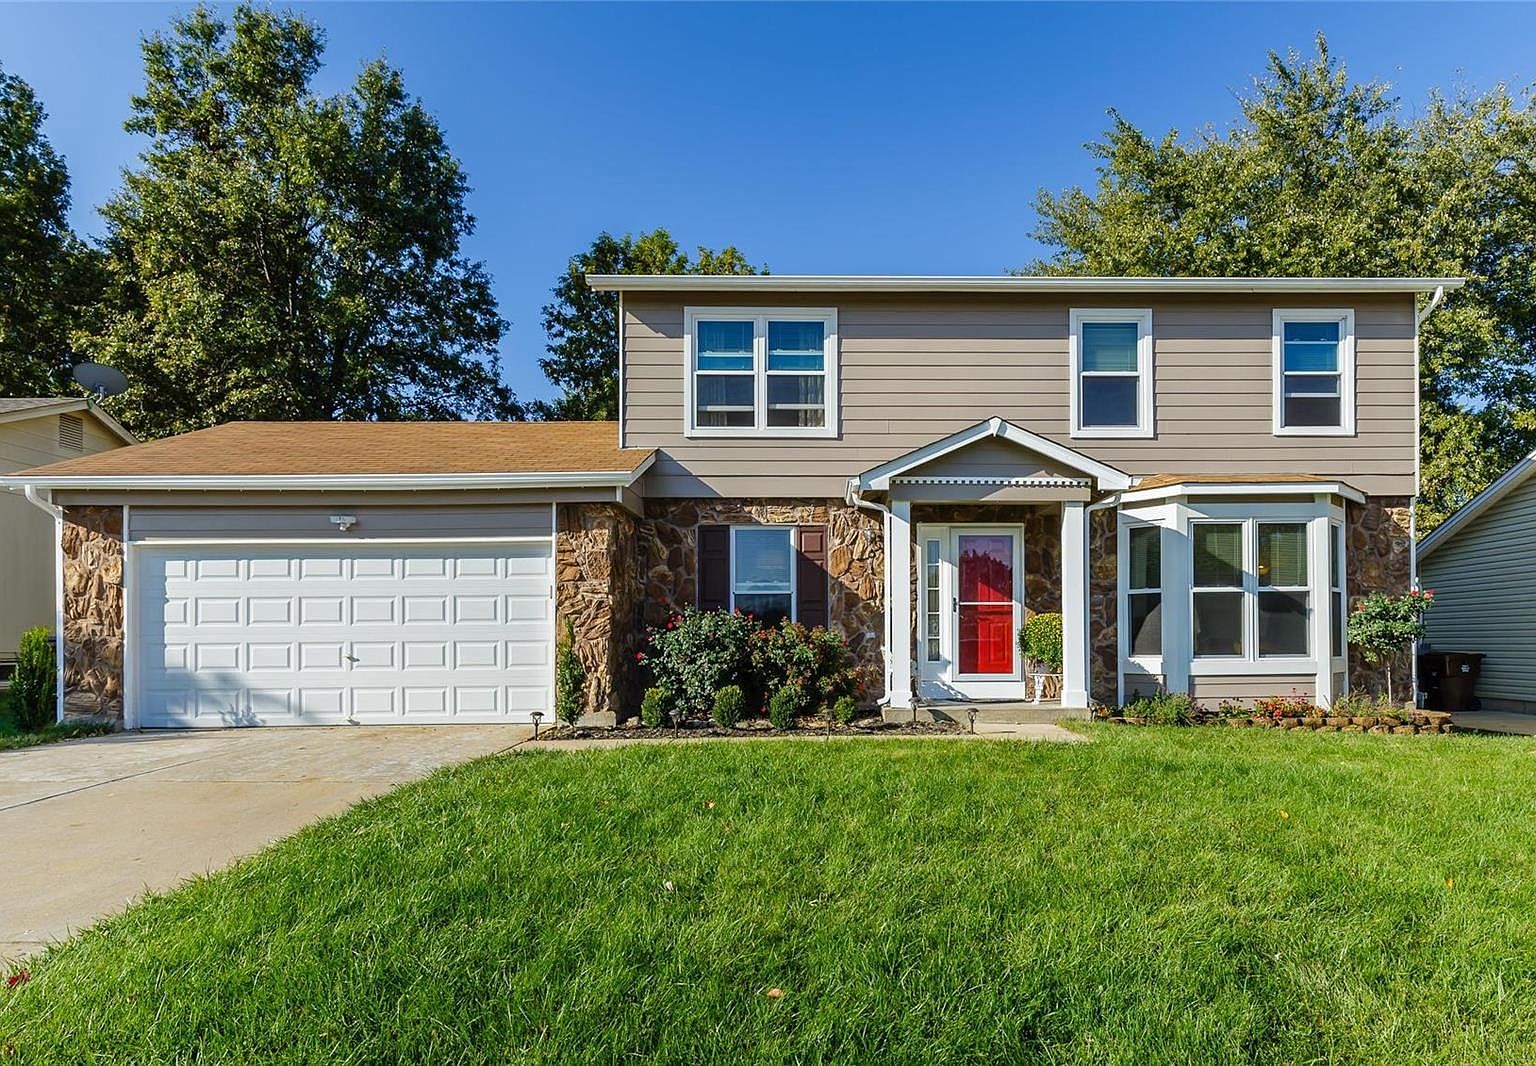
[(811, 576), (714, 568)]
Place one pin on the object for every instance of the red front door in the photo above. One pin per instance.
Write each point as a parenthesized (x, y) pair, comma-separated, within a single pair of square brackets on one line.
[(985, 603)]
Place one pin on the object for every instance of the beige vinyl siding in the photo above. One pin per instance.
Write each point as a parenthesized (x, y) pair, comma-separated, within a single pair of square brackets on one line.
[(992, 458), (256, 523), (1249, 687), (917, 368), (1484, 578), (27, 562)]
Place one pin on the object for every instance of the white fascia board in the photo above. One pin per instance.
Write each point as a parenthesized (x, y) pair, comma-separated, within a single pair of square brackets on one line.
[(1244, 488), (682, 283), (117, 428), (337, 482), (879, 478), (1512, 479), (63, 405)]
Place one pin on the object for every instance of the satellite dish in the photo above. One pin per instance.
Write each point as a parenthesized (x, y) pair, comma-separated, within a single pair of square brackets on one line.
[(101, 380)]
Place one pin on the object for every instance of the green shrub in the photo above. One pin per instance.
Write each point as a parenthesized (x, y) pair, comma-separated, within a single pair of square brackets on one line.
[(816, 661), (34, 687), (696, 654), (1040, 640), (786, 705), (730, 704), (570, 680), (1164, 708), (845, 710), (655, 706), (1292, 706), (1363, 705)]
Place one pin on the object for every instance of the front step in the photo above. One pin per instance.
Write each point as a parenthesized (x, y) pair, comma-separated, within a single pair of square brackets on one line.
[(999, 713)]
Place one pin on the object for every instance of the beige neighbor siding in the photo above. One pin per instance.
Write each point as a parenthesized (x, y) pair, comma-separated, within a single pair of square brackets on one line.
[(1484, 578), (26, 534), (915, 369)]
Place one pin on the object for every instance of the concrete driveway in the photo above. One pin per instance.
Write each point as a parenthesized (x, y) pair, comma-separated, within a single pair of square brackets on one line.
[(88, 826)]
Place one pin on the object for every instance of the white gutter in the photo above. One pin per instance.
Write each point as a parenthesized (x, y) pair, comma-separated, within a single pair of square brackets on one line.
[(1002, 283), (1429, 308), (55, 512), (853, 499), (327, 482)]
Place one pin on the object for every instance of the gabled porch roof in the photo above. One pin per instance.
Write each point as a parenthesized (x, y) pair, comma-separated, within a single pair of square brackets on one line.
[(1072, 466)]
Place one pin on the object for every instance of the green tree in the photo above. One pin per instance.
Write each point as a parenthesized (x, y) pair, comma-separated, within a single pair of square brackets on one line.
[(1320, 175), (582, 325), (280, 255), (47, 276)]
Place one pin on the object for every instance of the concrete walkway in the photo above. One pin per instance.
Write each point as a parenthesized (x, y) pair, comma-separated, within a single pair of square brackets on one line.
[(87, 826), (1512, 722)]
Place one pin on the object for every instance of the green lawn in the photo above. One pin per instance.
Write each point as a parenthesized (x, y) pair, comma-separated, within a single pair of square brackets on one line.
[(1161, 895), (12, 735)]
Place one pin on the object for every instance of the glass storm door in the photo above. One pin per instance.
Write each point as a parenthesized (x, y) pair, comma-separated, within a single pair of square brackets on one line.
[(970, 584), (984, 602)]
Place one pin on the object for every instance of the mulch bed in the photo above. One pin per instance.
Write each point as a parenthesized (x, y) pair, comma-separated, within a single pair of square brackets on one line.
[(756, 727)]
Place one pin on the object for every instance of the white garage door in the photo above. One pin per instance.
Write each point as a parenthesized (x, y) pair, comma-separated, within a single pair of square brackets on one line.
[(243, 634)]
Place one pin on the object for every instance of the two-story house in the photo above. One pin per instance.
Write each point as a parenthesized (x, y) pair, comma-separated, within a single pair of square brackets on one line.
[(1197, 473)]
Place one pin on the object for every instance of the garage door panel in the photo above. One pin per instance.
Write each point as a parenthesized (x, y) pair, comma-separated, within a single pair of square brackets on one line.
[(320, 634)]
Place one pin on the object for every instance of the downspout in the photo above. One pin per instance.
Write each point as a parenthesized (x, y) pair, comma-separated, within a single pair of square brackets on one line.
[(1419, 319), (853, 499), (55, 512), (1112, 500)]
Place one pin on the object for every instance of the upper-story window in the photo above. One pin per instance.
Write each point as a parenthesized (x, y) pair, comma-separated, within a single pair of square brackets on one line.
[(768, 372), (1111, 373), (1314, 355)]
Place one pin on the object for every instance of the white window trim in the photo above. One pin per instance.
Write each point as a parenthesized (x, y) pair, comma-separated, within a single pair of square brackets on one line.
[(1338, 594), (1150, 664), (760, 316), (794, 548), (1345, 317), (1146, 426)]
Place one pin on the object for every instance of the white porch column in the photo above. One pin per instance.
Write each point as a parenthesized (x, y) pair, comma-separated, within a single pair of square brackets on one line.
[(898, 604), (1321, 599), (1074, 605)]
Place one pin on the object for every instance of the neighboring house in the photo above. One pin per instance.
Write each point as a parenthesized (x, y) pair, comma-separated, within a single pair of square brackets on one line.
[(1478, 562), (1197, 473), (35, 431)]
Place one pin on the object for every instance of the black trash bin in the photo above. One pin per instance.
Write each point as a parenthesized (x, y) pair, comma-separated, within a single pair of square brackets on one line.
[(1449, 679)]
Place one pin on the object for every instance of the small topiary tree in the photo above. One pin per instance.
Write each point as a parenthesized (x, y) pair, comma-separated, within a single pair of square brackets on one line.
[(730, 704), (570, 680), (655, 705), (786, 705), (34, 686), (1040, 640), (1382, 626)]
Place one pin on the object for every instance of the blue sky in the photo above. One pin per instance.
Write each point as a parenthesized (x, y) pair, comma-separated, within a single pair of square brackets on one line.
[(819, 139)]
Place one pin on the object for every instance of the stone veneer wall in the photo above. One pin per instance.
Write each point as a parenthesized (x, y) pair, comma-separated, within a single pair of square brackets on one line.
[(855, 564), (1103, 607), (93, 612), (597, 585), (1379, 558)]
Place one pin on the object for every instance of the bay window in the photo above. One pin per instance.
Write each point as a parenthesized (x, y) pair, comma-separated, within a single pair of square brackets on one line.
[(1144, 590), (1337, 598), (1314, 372), (1111, 373), (1251, 589), (761, 371)]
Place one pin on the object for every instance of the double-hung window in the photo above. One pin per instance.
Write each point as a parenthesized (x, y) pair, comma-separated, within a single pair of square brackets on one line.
[(761, 372), (1250, 591), (1144, 591), (763, 572), (1314, 372), (1110, 360)]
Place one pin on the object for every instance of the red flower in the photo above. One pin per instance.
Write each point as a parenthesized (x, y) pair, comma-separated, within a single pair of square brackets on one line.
[(639, 656), (20, 977)]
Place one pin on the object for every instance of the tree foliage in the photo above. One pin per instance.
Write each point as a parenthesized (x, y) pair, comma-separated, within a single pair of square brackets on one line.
[(281, 255), (47, 276), (582, 325), (1321, 175)]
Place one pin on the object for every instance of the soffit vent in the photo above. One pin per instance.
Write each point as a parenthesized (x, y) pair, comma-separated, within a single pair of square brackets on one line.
[(71, 433)]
